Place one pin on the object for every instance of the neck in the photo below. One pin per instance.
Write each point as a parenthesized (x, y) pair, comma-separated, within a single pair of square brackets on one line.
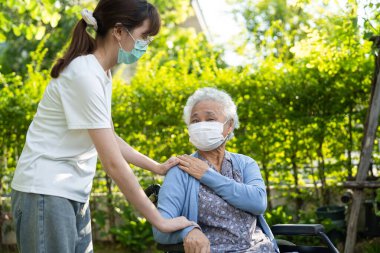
[(215, 157), (106, 56)]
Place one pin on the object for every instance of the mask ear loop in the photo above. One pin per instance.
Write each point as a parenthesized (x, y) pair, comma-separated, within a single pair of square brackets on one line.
[(228, 135), (120, 44)]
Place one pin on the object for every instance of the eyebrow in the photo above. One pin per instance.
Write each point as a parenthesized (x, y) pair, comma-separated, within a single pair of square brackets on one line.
[(209, 113)]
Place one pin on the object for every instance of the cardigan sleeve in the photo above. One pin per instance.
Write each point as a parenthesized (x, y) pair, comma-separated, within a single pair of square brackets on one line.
[(171, 199), (249, 196)]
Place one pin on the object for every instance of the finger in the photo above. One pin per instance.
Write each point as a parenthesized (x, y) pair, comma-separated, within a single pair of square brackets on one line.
[(185, 158), (194, 159), (188, 171), (190, 247), (184, 168), (182, 161), (204, 249), (185, 163), (186, 247), (191, 158), (173, 161), (185, 222)]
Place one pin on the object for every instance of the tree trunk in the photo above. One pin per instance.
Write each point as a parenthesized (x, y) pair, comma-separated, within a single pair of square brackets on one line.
[(350, 144), (321, 168), (312, 173), (365, 158), (299, 201), (110, 207), (321, 173)]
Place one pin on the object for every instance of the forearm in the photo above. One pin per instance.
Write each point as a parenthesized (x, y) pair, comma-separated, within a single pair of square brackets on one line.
[(118, 169), (136, 158), (248, 197), (127, 182)]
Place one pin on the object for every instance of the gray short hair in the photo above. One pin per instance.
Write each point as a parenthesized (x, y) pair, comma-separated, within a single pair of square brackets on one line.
[(216, 95)]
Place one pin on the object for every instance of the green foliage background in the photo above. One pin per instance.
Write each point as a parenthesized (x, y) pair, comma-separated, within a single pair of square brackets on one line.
[(301, 101)]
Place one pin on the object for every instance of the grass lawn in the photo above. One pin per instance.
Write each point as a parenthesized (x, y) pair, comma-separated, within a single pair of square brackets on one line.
[(98, 248), (109, 248), (363, 246)]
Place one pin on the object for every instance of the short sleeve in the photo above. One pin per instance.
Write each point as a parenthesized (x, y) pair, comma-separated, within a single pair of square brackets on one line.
[(84, 102)]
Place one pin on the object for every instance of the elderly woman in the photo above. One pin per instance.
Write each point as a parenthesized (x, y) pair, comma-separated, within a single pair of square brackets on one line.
[(223, 192)]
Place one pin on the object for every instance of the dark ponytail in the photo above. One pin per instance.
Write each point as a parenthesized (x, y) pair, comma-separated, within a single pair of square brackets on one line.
[(81, 44), (130, 13)]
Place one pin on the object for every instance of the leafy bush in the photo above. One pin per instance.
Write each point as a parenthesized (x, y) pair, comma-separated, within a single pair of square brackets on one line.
[(135, 232)]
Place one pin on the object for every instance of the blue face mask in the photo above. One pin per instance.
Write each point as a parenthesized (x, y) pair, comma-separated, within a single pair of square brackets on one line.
[(130, 57)]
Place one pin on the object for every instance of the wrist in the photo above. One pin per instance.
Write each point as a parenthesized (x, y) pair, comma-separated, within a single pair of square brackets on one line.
[(158, 169)]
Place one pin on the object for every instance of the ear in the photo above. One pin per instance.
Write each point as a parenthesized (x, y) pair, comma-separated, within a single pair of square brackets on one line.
[(116, 31), (230, 126)]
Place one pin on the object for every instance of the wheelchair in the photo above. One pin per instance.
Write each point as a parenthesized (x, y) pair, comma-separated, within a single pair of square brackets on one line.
[(315, 230)]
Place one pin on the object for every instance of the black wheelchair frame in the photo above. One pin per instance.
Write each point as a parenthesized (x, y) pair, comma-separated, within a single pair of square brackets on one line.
[(316, 230)]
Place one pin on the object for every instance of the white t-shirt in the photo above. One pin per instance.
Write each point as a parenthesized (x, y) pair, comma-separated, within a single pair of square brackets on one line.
[(59, 157)]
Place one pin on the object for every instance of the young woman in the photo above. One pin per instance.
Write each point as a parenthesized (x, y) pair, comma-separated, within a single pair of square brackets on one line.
[(73, 125)]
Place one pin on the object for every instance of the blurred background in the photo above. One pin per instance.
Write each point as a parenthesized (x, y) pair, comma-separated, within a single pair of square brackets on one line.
[(300, 73)]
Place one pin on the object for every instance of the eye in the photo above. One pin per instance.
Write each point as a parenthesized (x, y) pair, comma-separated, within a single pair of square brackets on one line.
[(194, 121), (211, 119), (146, 39)]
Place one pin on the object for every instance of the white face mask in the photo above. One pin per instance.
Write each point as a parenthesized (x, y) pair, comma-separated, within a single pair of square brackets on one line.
[(207, 136)]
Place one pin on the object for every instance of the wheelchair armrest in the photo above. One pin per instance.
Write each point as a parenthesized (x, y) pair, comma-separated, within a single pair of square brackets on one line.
[(304, 229), (297, 229), (173, 248)]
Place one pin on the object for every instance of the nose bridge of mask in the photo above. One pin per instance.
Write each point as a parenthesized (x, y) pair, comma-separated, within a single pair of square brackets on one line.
[(141, 45), (138, 43)]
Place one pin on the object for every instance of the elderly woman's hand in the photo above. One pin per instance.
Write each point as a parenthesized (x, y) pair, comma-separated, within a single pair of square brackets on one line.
[(193, 166), (196, 242)]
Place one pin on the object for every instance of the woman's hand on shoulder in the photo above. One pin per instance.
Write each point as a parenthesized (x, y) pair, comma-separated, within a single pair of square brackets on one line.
[(164, 167), (196, 241), (193, 166)]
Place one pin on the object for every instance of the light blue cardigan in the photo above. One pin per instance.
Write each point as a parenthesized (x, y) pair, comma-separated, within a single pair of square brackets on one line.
[(179, 195)]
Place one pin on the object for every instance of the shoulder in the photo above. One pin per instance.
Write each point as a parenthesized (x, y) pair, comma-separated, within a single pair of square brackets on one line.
[(82, 75), (84, 63), (85, 67), (242, 158), (175, 174), (175, 182), (247, 166)]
